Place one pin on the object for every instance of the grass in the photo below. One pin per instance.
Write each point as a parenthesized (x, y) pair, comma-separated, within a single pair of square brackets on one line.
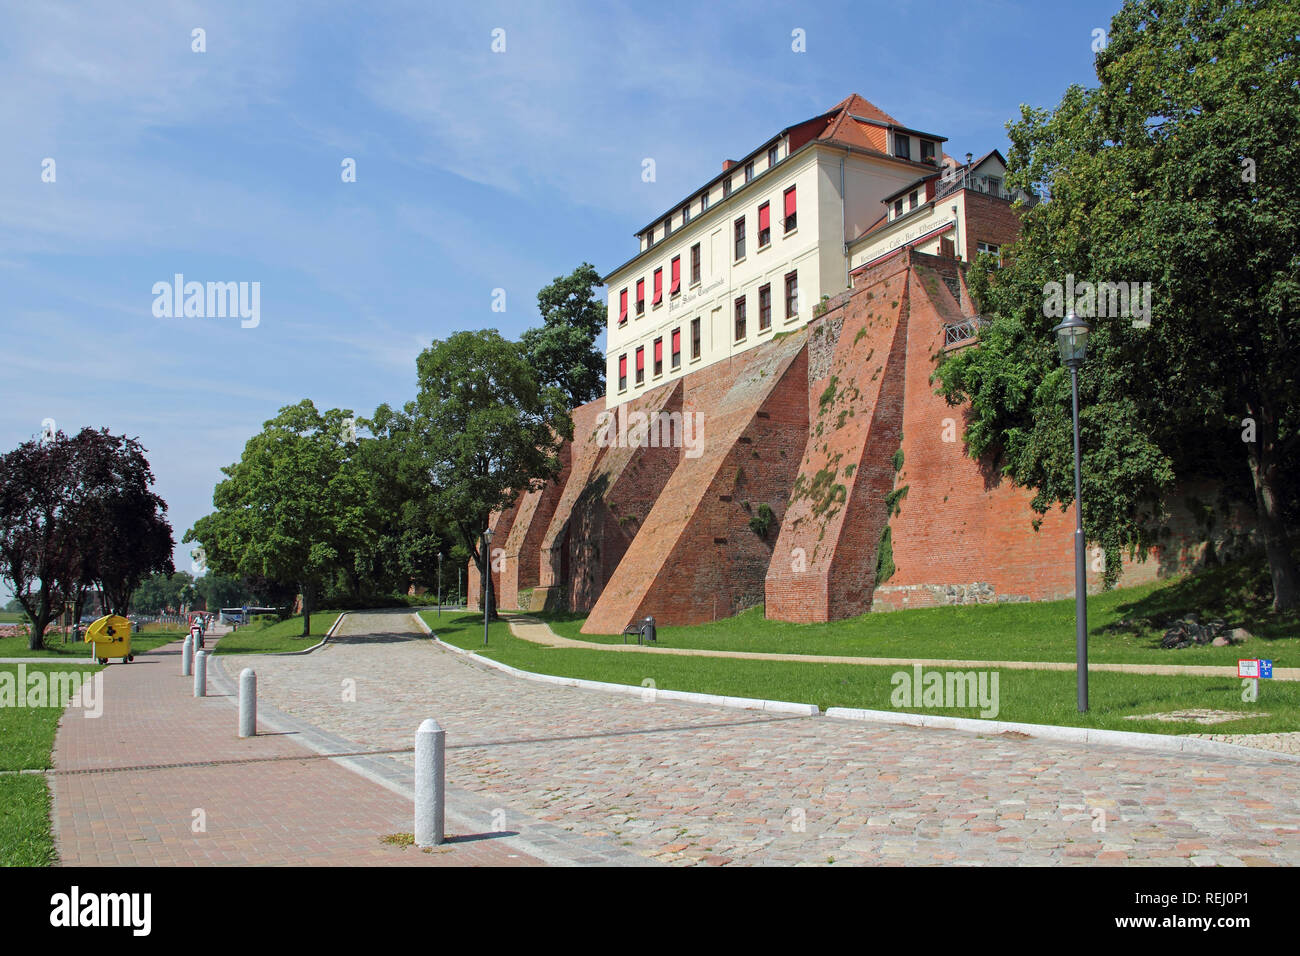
[(26, 742), (1125, 627), (276, 637), (1041, 697)]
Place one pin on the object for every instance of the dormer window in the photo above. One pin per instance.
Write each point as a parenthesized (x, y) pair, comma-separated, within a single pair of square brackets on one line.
[(927, 151), (772, 154), (902, 146), (898, 208), (726, 187), (704, 201), (749, 171)]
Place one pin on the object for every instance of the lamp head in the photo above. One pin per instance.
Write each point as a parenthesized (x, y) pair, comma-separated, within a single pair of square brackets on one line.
[(1072, 340)]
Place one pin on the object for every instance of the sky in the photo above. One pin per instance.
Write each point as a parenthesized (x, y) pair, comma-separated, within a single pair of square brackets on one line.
[(476, 170)]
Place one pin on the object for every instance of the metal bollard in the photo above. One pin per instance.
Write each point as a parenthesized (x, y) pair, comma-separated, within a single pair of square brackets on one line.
[(187, 658), (248, 702), (430, 782), (201, 674)]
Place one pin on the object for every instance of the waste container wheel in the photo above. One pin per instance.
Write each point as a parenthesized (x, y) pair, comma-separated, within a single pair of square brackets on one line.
[(130, 658), (103, 660)]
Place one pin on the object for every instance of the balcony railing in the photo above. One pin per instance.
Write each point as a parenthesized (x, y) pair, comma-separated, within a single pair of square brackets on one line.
[(954, 333), (961, 178)]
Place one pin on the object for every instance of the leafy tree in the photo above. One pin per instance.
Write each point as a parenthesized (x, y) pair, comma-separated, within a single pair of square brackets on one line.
[(1178, 170), (291, 509), (563, 350), (220, 590), (481, 431), (14, 605), (74, 513), (160, 591)]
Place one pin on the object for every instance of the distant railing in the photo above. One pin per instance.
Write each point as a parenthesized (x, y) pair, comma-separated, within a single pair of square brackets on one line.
[(961, 178), (957, 332)]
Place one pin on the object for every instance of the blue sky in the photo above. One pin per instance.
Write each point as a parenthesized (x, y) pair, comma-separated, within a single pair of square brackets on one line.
[(475, 171)]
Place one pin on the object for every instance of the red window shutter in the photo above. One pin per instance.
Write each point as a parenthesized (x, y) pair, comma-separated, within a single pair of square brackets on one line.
[(622, 306), (640, 290), (764, 221), (622, 366), (789, 203), (677, 275), (659, 350), (640, 359), (659, 285), (677, 341)]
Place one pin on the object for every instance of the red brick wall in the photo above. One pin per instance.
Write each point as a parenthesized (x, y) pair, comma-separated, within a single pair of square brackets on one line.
[(988, 220)]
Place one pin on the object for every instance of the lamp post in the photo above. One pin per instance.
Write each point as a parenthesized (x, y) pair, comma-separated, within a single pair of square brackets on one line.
[(1072, 342), (487, 582), (439, 584)]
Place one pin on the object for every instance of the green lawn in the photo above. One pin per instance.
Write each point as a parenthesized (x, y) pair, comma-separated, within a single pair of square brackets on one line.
[(26, 739), (1042, 697), (273, 637), (1026, 632)]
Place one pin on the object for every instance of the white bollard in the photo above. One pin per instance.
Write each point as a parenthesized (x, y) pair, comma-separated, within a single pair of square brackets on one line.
[(201, 674), (247, 702), (430, 782), (187, 658)]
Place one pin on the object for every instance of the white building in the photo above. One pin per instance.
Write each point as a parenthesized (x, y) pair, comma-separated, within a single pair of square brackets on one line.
[(749, 254)]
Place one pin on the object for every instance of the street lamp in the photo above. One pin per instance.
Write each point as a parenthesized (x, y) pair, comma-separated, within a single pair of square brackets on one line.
[(440, 584), (487, 582), (1072, 341)]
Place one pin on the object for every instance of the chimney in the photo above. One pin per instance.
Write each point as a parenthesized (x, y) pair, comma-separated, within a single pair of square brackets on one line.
[(727, 164)]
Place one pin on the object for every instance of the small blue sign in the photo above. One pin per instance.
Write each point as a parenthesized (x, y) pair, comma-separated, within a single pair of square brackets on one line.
[(1265, 668)]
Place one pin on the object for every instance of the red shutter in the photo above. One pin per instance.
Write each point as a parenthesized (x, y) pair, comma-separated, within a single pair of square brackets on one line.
[(622, 366), (677, 341), (640, 291), (763, 221), (789, 203), (622, 306), (659, 350), (640, 359), (677, 276), (659, 286)]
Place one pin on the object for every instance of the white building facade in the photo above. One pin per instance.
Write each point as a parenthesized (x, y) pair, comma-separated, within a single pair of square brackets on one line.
[(750, 254)]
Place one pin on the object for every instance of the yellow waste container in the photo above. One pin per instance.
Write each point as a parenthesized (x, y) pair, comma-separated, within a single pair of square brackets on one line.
[(111, 636)]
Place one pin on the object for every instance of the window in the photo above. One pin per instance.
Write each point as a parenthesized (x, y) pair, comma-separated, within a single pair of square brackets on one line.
[(686, 214), (622, 372), (902, 146), (640, 364), (659, 356), (668, 227), (995, 186), (740, 238), (791, 295), (677, 348), (740, 318), (695, 338), (764, 225), (622, 307), (704, 201), (659, 286), (993, 250), (765, 307), (640, 296), (726, 187), (676, 286), (791, 211), (649, 238), (911, 200), (927, 151), (898, 208), (749, 171), (695, 264), (771, 156)]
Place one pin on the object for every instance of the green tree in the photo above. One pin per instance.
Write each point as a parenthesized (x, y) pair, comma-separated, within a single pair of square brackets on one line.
[(563, 350), (290, 510), (1178, 170), (160, 591), (480, 432)]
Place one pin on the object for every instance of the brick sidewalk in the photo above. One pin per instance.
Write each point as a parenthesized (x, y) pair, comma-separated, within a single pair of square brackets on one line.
[(128, 788)]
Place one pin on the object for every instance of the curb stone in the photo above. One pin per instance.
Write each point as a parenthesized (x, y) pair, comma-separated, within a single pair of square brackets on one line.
[(1121, 738)]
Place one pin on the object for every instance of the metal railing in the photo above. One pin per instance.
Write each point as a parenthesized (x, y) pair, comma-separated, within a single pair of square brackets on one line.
[(957, 332)]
